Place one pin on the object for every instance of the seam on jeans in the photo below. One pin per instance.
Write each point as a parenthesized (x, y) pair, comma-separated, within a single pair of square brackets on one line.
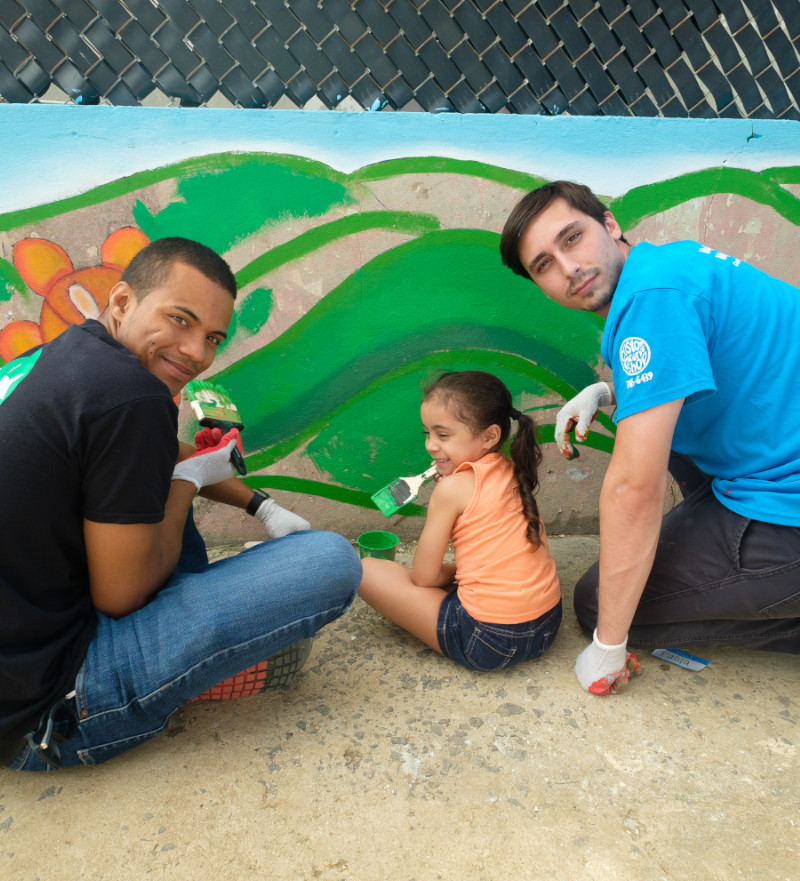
[(784, 603), (475, 638), (747, 575), (499, 629), (93, 755), (737, 543), (717, 639)]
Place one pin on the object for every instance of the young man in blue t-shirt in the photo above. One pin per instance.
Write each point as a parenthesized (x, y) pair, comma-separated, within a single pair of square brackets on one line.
[(703, 353)]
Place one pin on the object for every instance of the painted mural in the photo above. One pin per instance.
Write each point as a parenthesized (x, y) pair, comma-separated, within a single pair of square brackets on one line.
[(357, 285)]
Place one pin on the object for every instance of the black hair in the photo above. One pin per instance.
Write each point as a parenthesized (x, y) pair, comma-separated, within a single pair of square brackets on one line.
[(151, 267), (531, 206), (479, 400)]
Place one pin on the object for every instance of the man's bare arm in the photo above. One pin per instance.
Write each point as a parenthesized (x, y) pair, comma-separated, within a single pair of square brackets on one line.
[(631, 507), (128, 563)]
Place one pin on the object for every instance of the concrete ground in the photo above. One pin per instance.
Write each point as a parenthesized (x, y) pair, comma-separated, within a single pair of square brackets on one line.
[(382, 760)]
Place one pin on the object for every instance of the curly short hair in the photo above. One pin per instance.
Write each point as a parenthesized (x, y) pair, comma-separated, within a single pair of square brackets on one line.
[(151, 267)]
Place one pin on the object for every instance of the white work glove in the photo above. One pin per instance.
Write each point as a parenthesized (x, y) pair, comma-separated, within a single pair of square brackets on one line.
[(602, 669), (212, 461), (579, 413), (278, 521)]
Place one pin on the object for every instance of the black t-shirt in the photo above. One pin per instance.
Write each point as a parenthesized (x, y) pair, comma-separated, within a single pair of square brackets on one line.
[(85, 433)]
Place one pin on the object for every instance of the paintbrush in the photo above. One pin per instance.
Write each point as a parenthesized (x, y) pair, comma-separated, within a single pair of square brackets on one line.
[(401, 491), (214, 409)]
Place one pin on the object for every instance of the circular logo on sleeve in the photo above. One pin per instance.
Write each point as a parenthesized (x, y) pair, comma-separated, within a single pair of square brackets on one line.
[(634, 354)]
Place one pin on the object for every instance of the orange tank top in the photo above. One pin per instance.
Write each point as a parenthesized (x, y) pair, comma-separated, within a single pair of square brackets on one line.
[(502, 578)]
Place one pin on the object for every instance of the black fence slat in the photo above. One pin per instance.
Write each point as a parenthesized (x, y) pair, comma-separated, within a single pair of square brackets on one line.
[(697, 58)]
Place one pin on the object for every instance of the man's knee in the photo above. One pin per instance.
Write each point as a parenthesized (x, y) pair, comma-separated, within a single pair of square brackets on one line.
[(340, 556), (584, 599), (328, 559)]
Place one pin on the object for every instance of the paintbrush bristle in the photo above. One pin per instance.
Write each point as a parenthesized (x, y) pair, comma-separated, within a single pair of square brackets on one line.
[(400, 491), (383, 502), (211, 402)]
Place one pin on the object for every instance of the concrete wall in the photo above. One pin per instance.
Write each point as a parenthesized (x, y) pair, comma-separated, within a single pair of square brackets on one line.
[(366, 251)]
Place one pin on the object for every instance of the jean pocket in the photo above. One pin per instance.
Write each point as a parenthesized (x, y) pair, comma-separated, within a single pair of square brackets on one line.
[(488, 650)]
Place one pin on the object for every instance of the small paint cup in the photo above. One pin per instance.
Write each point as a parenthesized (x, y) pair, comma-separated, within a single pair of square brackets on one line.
[(377, 543)]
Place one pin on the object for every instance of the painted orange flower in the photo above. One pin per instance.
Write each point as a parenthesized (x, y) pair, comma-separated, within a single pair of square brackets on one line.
[(70, 295)]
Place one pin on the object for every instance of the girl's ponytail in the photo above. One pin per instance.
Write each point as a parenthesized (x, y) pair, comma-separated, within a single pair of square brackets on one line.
[(526, 456)]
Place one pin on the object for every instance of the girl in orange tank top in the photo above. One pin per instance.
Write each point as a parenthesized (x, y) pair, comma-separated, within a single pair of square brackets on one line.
[(500, 602)]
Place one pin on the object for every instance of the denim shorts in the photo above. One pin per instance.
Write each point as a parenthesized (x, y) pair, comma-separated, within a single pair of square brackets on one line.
[(481, 646)]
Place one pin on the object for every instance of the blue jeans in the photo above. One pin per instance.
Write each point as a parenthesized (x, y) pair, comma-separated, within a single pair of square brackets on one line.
[(207, 623), (481, 646)]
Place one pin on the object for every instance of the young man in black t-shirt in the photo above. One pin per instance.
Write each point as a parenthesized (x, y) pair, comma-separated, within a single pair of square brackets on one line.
[(105, 632)]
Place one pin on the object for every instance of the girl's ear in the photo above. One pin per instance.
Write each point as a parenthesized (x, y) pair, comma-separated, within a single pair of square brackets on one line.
[(491, 437)]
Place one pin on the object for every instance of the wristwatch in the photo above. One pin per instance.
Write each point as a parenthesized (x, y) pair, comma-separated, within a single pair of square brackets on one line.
[(255, 503)]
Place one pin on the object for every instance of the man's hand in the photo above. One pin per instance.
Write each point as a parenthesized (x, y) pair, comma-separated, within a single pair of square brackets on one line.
[(211, 463), (278, 521), (602, 669), (579, 413)]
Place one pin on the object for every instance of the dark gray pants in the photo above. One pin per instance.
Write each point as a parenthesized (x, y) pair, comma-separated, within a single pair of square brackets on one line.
[(717, 578)]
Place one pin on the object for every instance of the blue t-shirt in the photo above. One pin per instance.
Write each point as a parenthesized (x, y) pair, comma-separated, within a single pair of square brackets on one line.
[(689, 322)]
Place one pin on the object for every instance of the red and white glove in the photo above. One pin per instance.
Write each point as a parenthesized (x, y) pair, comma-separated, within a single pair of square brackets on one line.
[(579, 413), (602, 669), (211, 463)]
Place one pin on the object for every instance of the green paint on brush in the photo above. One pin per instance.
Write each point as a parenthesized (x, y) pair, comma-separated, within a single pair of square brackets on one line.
[(323, 490)]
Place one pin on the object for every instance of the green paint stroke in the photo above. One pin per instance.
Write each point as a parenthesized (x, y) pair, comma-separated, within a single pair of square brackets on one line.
[(645, 201), (390, 168), (188, 168), (10, 281), (306, 243), (377, 434), (437, 293), (783, 174), (255, 310), (419, 347), (224, 205), (400, 461), (325, 491)]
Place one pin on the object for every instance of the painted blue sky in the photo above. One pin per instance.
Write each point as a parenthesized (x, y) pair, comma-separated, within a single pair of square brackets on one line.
[(53, 151)]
